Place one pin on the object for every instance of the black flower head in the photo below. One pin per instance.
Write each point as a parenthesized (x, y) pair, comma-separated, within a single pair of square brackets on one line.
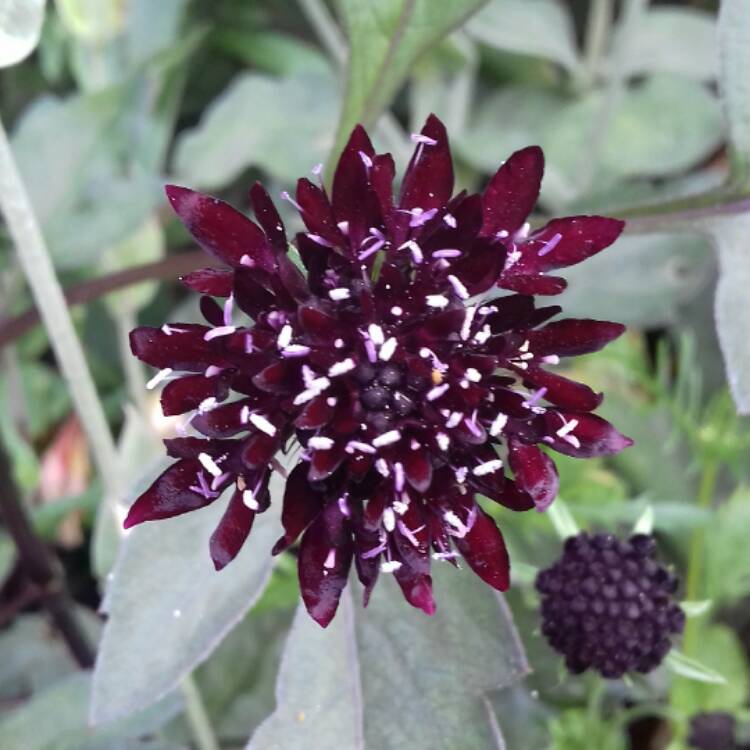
[(712, 731), (608, 605), (393, 359)]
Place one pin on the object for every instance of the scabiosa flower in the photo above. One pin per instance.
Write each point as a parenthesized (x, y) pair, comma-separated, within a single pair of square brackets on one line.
[(608, 605), (393, 359)]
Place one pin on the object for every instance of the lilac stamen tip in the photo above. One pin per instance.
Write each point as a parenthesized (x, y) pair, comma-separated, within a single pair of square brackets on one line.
[(421, 138), (550, 245)]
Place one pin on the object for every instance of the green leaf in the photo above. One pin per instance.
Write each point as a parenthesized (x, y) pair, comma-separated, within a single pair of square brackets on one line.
[(641, 281), (93, 21), (729, 237), (672, 39), (20, 29), (734, 63), (281, 125), (169, 609), (538, 28), (696, 608), (562, 519), (390, 678), (385, 38), (727, 561), (55, 719), (693, 669)]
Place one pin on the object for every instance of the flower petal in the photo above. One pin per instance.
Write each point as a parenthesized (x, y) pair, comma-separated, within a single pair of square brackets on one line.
[(317, 212), (268, 217), (232, 531), (535, 472), (325, 462), (572, 337), (220, 229), (180, 346), (513, 191), (325, 557), (169, 495), (428, 182), (591, 436), (301, 506), (187, 393), (561, 391), (214, 281), (532, 283), (484, 549), (418, 469)]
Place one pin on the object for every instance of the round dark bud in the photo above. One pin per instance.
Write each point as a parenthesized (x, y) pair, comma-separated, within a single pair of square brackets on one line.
[(402, 405), (607, 605), (712, 731), (390, 376), (376, 398), (364, 373), (416, 382), (382, 421)]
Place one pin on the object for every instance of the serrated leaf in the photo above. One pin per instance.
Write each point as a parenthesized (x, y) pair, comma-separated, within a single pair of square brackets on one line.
[(385, 38), (390, 678), (539, 28), (693, 669), (282, 125), (20, 29), (732, 312), (169, 609), (734, 63), (672, 39), (55, 719)]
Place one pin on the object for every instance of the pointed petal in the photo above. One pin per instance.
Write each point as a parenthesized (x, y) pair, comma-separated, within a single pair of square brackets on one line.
[(561, 391), (214, 281), (572, 337), (232, 531), (535, 473), (416, 588), (170, 495), (532, 283), (315, 415), (268, 217), (187, 393), (324, 463), (259, 450), (513, 191), (428, 182), (301, 506), (220, 229), (192, 447), (418, 469), (325, 557), (591, 436), (183, 348), (317, 212), (512, 497), (484, 549)]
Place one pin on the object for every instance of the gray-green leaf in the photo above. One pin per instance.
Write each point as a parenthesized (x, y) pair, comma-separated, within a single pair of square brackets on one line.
[(390, 678)]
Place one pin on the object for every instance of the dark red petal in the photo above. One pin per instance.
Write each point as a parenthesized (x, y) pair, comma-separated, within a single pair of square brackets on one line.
[(440, 325), (316, 414), (317, 212), (535, 473), (325, 557), (268, 217), (418, 469), (480, 267), (250, 295), (592, 436), (484, 549), (187, 393), (259, 450), (222, 421), (513, 191), (214, 281), (321, 326), (232, 531), (563, 392), (211, 310), (292, 279), (512, 497), (381, 179), (572, 337), (513, 312), (532, 283), (581, 237), (428, 182), (301, 506), (191, 447), (170, 495), (417, 588), (324, 463), (220, 229), (183, 348)]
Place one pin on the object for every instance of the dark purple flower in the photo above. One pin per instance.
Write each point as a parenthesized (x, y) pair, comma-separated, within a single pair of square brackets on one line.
[(608, 605), (392, 358), (713, 731)]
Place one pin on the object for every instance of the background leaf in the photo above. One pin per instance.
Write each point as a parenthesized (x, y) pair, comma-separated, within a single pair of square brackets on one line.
[(164, 583), (20, 29), (390, 678)]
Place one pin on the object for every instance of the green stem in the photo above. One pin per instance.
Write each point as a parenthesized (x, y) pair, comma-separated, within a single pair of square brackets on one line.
[(695, 558), (598, 27), (197, 716), (40, 274), (596, 692), (326, 29)]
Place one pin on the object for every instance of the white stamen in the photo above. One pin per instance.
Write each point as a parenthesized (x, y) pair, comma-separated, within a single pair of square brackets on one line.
[(263, 424), (344, 506), (461, 473), (207, 404), (388, 349), (481, 336), (423, 139), (332, 401), (409, 534), (357, 445), (215, 333), (437, 300), (248, 498), (382, 467), (392, 436), (339, 343), (551, 359), (376, 334), (245, 414), (473, 374), (320, 443), (454, 419), (284, 337), (159, 377), (339, 368), (468, 320), (285, 196), (437, 391), (209, 464), (398, 476), (389, 519), (522, 233), (458, 287), (296, 350), (366, 160), (390, 566), (443, 441), (450, 220), (488, 467), (444, 555), (498, 424), (550, 245), (396, 310), (330, 559), (246, 260), (343, 227), (415, 249), (338, 294), (448, 252), (567, 427)]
